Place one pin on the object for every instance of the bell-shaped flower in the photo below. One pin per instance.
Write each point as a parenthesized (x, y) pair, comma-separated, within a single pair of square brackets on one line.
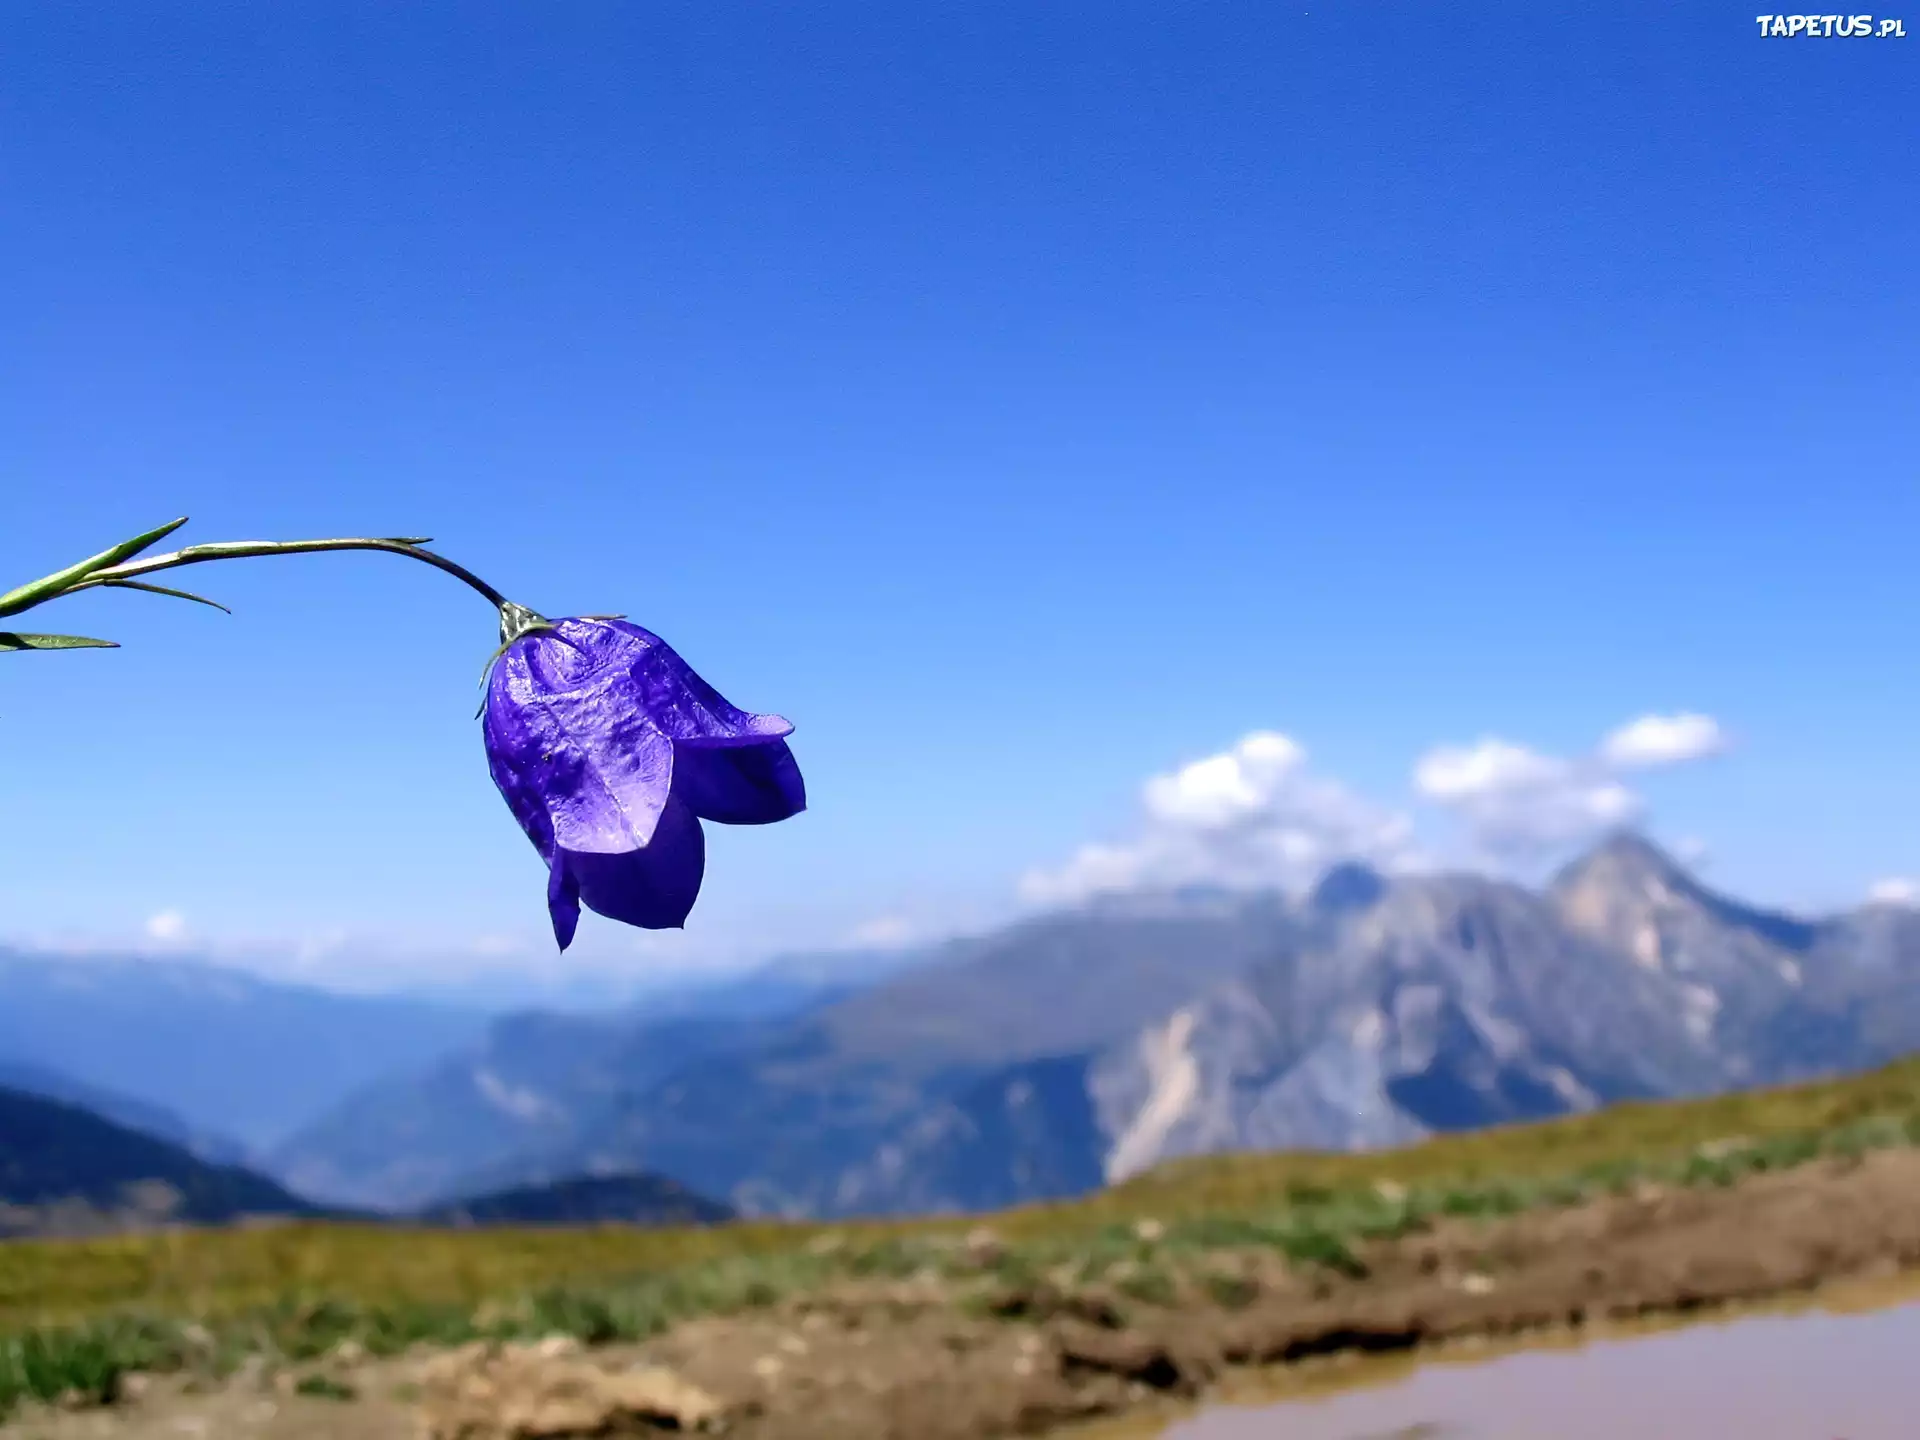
[(610, 751)]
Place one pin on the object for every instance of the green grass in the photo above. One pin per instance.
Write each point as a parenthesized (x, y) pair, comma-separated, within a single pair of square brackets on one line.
[(77, 1315), (1621, 1133)]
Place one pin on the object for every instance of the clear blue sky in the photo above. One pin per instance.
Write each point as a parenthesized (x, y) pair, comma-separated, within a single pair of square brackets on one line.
[(1024, 400)]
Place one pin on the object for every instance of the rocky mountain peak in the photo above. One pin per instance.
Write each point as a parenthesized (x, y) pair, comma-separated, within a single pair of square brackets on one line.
[(1628, 862), (1625, 892), (1632, 895)]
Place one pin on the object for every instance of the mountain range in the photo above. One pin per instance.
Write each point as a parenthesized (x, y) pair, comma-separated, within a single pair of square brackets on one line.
[(584, 1200), (1077, 1048), (69, 1172), (545, 1097), (234, 1062), (143, 1091), (127, 1111), (65, 1170), (1055, 1055)]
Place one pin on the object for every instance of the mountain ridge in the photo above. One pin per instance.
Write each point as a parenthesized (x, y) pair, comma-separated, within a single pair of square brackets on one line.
[(65, 1170), (638, 1199), (226, 1053), (1378, 1010), (127, 1110), (1078, 1047)]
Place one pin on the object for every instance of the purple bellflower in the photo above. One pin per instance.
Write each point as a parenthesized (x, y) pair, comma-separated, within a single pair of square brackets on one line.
[(610, 751)]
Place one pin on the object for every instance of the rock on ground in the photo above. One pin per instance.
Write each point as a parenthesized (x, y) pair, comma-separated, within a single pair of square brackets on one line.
[(550, 1392)]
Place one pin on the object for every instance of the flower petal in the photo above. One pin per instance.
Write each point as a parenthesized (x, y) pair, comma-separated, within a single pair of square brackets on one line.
[(609, 750), (563, 900), (739, 784), (523, 797), (564, 720), (680, 702), (654, 887)]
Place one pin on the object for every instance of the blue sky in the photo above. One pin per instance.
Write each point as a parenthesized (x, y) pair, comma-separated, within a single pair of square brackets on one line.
[(1026, 401)]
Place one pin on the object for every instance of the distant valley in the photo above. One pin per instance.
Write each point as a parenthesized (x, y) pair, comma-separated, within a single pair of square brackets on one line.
[(228, 1056), (66, 1171), (96, 1053)]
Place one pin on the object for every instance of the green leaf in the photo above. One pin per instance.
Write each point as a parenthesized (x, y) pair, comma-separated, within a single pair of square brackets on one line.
[(153, 589), (11, 641), (27, 596)]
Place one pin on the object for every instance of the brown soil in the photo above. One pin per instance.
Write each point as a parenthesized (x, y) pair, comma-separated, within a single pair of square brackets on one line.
[(903, 1362)]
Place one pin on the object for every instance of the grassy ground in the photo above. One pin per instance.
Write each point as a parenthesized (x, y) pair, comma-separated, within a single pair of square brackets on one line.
[(75, 1315)]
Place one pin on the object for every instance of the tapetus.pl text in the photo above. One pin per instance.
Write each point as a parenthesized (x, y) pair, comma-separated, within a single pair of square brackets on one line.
[(1863, 27)]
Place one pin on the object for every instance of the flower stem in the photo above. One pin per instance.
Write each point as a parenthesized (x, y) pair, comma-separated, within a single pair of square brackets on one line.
[(119, 569), (125, 574), (409, 546)]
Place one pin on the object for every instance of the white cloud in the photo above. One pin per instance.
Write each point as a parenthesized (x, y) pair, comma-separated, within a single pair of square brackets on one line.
[(1895, 891), (1656, 740), (1453, 774), (1519, 804), (1254, 816), (1225, 789), (169, 927)]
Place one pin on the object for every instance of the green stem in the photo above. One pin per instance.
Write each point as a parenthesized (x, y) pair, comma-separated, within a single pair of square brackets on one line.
[(119, 569), (52, 586), (245, 549)]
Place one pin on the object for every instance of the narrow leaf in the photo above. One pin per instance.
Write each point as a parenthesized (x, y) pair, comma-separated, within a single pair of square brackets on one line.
[(9, 640), (153, 589), (27, 596)]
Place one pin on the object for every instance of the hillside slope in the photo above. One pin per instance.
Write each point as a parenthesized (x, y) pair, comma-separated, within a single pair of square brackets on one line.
[(65, 1170)]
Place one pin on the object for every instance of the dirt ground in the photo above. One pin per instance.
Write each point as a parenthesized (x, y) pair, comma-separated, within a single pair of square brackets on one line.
[(903, 1362)]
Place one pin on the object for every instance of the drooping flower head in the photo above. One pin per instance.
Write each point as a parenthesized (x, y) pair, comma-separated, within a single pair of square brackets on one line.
[(610, 751)]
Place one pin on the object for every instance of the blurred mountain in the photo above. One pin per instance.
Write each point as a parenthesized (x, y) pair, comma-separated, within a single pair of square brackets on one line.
[(771, 986), (784, 985), (1448, 1003), (837, 1110), (227, 1053), (134, 1114), (67, 1171), (1076, 1048), (538, 1083), (585, 1200), (533, 1084)]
